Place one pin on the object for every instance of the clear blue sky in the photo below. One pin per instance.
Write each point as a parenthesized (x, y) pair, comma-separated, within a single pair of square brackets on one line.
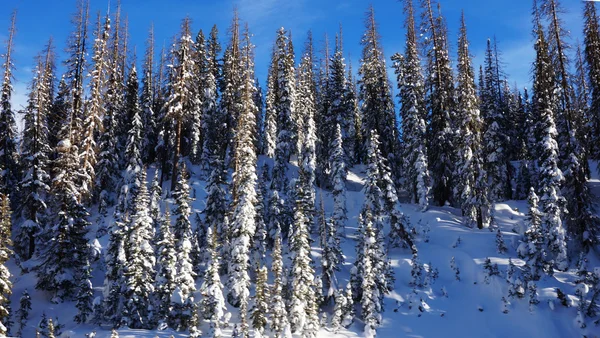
[(509, 20)]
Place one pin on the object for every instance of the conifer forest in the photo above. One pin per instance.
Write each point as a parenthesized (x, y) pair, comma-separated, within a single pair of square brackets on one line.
[(170, 192)]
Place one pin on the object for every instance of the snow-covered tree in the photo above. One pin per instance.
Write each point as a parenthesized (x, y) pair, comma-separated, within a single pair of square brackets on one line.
[(165, 271), (147, 98), (413, 113), (338, 181), (5, 253), (261, 305), (279, 323), (550, 176), (22, 313), (139, 267), (9, 159), (182, 297), (370, 269), (376, 94), (213, 302), (440, 97), (471, 195), (35, 152), (94, 108)]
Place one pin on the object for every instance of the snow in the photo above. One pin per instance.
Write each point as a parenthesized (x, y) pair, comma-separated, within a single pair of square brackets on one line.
[(443, 307)]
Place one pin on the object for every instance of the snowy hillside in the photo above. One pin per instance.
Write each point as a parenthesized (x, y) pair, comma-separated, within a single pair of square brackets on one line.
[(441, 307)]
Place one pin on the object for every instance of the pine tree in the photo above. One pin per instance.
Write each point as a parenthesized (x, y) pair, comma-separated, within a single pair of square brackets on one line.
[(182, 298), (376, 94), (165, 271), (213, 301), (23, 312), (550, 176), (5, 253), (139, 269), (216, 206), (471, 195), (270, 121), (440, 92), (331, 258), (9, 160), (413, 113)]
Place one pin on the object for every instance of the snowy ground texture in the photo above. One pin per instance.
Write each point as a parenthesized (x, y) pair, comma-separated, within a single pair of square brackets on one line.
[(446, 307)]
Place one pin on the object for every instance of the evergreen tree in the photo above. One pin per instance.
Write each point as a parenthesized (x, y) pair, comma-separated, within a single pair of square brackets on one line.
[(369, 261), (182, 298), (591, 31), (243, 191), (209, 77), (139, 269), (550, 176), (148, 103), (280, 325), (94, 109), (303, 298), (284, 105), (440, 98), (532, 249), (376, 94), (495, 140), (216, 206), (165, 271), (338, 174), (260, 309), (181, 105), (5, 253), (9, 161), (67, 255), (469, 167), (23, 312), (213, 301), (35, 152), (413, 113), (114, 280)]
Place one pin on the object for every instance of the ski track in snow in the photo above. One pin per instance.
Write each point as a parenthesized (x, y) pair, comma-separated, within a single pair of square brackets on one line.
[(471, 308)]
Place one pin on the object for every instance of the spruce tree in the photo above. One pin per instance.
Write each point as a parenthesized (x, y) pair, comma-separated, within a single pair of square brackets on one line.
[(440, 94), (23, 312), (372, 296), (148, 101), (182, 298), (284, 105), (261, 306), (471, 195), (209, 77), (376, 94), (338, 174), (532, 247), (279, 324), (139, 268), (591, 32), (413, 113), (213, 302), (165, 271), (550, 176), (94, 109), (243, 191), (35, 151), (114, 279)]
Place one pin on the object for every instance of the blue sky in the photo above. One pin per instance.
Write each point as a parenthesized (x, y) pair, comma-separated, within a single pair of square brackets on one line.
[(509, 20)]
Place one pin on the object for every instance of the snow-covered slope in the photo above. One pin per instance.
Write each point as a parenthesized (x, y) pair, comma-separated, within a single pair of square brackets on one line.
[(447, 307)]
